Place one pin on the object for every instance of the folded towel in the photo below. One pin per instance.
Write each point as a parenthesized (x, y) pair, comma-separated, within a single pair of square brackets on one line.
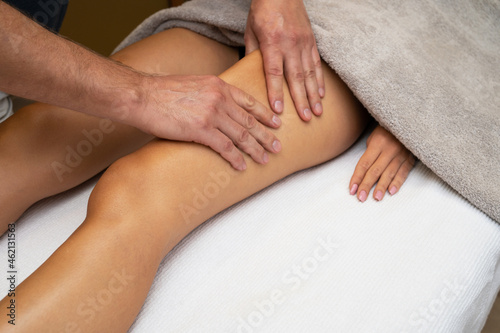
[(428, 71)]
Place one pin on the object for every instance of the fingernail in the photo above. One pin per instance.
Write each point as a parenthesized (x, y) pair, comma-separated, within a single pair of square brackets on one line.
[(354, 188), (276, 121), (278, 106), (321, 92), (379, 195), (363, 196), (393, 190), (319, 108), (265, 158), (307, 114), (243, 166), (277, 146)]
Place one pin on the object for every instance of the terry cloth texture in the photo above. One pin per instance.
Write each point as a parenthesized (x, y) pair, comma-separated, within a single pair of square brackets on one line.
[(428, 71)]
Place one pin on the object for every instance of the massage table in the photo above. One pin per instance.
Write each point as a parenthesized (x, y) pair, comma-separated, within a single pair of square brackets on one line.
[(304, 256)]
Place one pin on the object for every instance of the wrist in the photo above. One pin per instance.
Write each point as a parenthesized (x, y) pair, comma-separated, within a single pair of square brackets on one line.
[(128, 100), (123, 95)]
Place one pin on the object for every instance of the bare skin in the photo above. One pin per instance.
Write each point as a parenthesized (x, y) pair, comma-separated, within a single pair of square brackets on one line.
[(144, 204), (131, 232), (28, 163), (39, 65), (282, 31)]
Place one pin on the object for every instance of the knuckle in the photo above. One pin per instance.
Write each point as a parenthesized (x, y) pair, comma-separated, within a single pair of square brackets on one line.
[(214, 80), (375, 172), (243, 136), (294, 38), (400, 159), (275, 70), (391, 173), (227, 146), (274, 37), (218, 97), (298, 76), (310, 74), (250, 121), (317, 63), (249, 101), (364, 165), (202, 122)]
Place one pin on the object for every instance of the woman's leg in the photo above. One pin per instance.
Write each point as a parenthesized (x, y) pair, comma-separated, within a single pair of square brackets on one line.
[(148, 201), (45, 150)]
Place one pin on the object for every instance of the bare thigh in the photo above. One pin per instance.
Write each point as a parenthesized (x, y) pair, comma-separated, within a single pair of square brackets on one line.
[(163, 180), (146, 202)]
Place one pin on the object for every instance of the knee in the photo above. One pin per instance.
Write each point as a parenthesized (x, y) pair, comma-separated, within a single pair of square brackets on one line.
[(129, 189), (120, 207), (118, 192)]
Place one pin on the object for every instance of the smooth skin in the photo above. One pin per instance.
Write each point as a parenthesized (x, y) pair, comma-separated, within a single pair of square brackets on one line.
[(131, 232), (385, 162), (27, 162), (143, 204), (39, 135)]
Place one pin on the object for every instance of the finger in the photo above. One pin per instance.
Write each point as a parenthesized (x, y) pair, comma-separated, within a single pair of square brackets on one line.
[(294, 73), (273, 69), (311, 84), (223, 145), (255, 108), (388, 176), (373, 174), (402, 175), (251, 42), (243, 139), (364, 164), (260, 137), (319, 71)]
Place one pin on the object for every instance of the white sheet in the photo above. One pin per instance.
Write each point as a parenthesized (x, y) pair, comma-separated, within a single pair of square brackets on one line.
[(424, 260)]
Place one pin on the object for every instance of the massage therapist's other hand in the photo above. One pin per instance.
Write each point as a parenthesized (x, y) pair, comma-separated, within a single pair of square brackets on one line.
[(385, 160), (282, 31), (206, 110)]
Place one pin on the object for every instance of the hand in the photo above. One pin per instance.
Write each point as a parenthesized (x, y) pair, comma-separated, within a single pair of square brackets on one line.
[(282, 31), (206, 110), (385, 160)]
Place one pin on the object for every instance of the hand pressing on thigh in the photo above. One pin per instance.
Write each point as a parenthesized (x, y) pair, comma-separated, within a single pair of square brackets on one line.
[(206, 110), (282, 31), (385, 162)]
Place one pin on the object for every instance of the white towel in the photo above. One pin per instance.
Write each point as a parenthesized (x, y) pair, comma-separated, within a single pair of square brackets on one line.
[(424, 260)]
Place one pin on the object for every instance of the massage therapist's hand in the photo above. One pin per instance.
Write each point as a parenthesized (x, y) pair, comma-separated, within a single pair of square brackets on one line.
[(206, 110), (39, 65), (385, 160), (282, 31)]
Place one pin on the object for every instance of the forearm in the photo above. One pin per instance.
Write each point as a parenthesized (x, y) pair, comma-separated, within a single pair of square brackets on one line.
[(39, 65)]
